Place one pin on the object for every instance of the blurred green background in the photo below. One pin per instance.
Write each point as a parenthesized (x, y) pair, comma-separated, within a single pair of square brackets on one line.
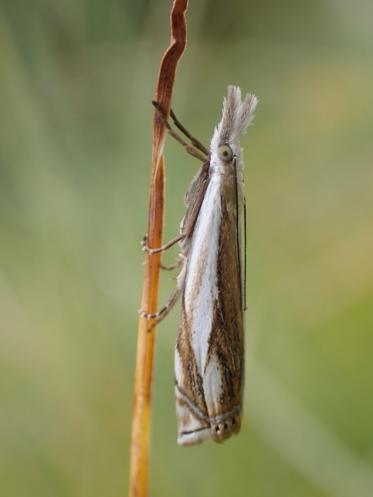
[(76, 81)]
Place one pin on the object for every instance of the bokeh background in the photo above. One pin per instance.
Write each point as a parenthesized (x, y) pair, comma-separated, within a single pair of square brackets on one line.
[(76, 81)]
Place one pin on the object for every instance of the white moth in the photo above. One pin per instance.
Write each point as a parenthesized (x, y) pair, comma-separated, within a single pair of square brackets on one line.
[(209, 355)]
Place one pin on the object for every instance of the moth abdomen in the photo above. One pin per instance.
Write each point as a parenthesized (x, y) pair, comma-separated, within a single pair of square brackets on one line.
[(221, 430)]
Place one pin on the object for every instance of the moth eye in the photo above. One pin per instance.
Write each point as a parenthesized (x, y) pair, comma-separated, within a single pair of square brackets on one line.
[(225, 153)]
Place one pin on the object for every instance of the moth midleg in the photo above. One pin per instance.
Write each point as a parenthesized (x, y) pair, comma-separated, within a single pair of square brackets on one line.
[(163, 248), (191, 149), (182, 128)]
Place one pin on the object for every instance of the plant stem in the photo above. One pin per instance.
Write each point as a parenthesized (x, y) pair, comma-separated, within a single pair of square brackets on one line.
[(139, 455)]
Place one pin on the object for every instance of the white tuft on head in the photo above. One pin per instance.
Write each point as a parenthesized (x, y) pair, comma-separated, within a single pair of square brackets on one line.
[(236, 117), (246, 113)]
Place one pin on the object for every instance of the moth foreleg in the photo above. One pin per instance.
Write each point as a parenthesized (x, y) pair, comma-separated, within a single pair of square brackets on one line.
[(182, 128), (191, 149), (163, 248)]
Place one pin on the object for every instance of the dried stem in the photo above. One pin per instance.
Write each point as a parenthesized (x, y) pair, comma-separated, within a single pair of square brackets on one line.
[(139, 465)]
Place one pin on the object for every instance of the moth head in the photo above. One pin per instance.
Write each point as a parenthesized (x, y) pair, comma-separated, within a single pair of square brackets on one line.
[(225, 153)]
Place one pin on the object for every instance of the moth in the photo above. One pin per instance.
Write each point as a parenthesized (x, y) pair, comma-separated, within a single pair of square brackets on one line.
[(209, 354)]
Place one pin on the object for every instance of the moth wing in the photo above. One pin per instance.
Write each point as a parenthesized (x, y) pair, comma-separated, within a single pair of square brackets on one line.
[(194, 186), (209, 351), (193, 200), (197, 307), (224, 368), (191, 410)]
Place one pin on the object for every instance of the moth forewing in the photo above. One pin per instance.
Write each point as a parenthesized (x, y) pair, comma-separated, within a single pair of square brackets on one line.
[(209, 356)]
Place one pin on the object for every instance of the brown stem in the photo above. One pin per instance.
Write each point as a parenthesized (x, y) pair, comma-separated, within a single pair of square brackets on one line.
[(139, 463)]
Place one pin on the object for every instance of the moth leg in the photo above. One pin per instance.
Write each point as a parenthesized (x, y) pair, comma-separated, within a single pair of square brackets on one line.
[(146, 248), (191, 149), (171, 267), (195, 142), (163, 312)]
